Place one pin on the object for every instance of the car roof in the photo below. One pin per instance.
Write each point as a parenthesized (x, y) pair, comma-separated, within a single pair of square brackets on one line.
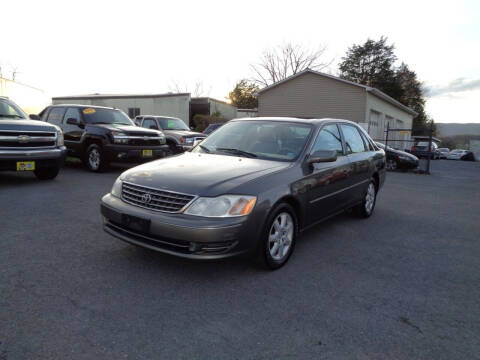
[(296, 120), (82, 105), (158, 116)]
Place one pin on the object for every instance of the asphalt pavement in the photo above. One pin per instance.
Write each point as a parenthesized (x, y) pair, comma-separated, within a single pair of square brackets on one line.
[(403, 284)]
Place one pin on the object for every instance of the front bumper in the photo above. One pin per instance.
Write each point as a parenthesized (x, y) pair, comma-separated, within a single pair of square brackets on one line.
[(54, 157), (177, 234), (127, 153)]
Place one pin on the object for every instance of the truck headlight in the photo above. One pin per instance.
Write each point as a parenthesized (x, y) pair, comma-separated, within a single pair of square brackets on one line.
[(222, 206), (119, 137), (60, 141), (117, 188)]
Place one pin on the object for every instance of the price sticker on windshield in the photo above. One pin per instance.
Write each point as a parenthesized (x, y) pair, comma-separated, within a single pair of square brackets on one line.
[(89, 111)]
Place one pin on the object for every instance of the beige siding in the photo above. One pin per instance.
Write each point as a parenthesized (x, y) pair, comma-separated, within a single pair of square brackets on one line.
[(394, 115), (176, 106), (227, 111), (313, 96)]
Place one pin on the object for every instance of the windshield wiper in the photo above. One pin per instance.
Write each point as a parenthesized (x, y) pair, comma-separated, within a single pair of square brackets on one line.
[(238, 152), (205, 149), (11, 116)]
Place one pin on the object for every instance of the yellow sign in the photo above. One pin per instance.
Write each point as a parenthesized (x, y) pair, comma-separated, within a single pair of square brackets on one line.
[(147, 153), (89, 111), (25, 165), (404, 132)]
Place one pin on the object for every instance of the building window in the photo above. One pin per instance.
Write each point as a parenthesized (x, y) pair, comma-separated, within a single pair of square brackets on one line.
[(132, 112)]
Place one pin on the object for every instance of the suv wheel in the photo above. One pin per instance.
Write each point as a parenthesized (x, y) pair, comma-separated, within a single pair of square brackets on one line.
[(365, 209), (94, 158), (278, 240), (47, 173)]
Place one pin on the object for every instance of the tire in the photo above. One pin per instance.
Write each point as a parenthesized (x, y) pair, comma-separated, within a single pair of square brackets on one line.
[(95, 159), (278, 241), (391, 165), (47, 173), (366, 207)]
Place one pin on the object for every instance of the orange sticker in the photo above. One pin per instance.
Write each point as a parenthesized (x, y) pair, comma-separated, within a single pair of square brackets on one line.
[(89, 111)]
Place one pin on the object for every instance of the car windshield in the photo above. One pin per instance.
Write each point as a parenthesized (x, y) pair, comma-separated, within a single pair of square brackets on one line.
[(172, 124), (8, 110), (269, 140), (105, 116)]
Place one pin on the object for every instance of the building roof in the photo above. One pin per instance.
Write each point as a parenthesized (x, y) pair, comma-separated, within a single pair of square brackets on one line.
[(368, 89), (206, 99), (116, 96)]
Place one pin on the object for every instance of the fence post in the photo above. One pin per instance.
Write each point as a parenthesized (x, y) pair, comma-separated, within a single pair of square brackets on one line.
[(430, 147)]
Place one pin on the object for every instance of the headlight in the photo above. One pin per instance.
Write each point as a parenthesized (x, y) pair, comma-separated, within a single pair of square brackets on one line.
[(403, 157), (222, 206), (117, 188), (119, 137), (60, 138)]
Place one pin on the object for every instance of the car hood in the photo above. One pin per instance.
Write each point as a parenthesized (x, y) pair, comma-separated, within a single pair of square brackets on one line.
[(403, 153), (26, 125), (201, 174), (186, 133), (128, 129)]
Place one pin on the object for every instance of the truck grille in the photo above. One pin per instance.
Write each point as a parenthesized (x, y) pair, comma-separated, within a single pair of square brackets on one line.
[(27, 139), (154, 199), (144, 142)]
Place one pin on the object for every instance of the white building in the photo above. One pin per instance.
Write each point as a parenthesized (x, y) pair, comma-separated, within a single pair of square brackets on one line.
[(30, 99)]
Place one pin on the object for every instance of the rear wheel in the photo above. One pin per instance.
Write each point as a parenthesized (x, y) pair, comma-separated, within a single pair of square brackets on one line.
[(279, 237), (47, 173), (365, 208)]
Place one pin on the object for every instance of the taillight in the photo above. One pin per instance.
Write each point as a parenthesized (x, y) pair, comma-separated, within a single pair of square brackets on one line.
[(413, 148)]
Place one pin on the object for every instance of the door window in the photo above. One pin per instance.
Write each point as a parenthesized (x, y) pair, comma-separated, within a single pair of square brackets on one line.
[(150, 124), (328, 139), (72, 113), (55, 116), (353, 139)]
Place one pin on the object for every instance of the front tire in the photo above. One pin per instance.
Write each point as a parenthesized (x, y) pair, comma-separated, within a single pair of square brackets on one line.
[(279, 237), (366, 207), (95, 159), (47, 173)]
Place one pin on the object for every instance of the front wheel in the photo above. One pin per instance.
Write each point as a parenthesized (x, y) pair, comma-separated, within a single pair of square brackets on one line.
[(95, 159), (279, 237), (365, 208), (391, 165), (47, 173)]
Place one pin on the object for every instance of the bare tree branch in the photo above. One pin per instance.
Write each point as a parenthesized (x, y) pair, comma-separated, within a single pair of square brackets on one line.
[(285, 60), (197, 89)]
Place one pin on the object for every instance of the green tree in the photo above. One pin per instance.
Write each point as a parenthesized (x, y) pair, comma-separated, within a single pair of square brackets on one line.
[(243, 95), (373, 64)]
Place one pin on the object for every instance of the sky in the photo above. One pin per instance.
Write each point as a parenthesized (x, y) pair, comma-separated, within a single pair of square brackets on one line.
[(80, 47)]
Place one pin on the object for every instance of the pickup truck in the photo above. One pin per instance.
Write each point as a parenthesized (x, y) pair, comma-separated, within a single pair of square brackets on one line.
[(28, 144)]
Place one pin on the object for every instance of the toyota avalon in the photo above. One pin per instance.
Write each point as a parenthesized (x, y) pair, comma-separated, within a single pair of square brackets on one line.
[(249, 188)]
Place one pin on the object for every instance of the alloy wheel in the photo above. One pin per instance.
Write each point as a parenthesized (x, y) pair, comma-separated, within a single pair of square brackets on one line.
[(94, 159), (370, 198), (281, 236)]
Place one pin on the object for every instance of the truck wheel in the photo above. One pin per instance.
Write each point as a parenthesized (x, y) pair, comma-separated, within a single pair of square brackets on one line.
[(95, 159), (47, 173)]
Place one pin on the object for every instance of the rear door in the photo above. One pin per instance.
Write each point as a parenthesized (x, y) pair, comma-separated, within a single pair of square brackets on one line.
[(73, 133), (360, 157), (327, 181)]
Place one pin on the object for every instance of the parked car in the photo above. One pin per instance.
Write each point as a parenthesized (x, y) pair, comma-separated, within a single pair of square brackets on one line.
[(397, 159), (100, 135), (456, 154), (422, 150), (469, 156), (179, 137), (29, 144), (443, 153), (211, 128), (249, 188)]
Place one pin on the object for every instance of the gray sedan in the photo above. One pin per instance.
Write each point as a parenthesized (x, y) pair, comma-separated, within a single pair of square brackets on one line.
[(249, 188)]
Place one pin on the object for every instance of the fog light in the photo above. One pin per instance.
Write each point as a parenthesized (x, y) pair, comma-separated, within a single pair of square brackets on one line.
[(122, 155)]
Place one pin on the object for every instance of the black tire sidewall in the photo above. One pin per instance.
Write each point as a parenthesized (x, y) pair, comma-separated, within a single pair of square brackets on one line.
[(47, 173), (265, 256)]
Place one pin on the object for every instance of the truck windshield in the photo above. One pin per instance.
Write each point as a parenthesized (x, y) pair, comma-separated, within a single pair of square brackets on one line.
[(9, 110), (172, 124), (105, 116)]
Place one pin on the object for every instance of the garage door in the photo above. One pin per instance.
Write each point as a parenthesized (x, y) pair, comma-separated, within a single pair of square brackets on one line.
[(375, 125)]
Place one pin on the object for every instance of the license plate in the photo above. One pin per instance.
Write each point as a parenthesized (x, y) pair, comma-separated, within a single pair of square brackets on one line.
[(25, 165), (136, 223), (147, 153)]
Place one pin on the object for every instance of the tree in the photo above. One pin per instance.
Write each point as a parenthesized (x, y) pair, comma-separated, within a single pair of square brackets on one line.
[(373, 64), (283, 61), (243, 95), (197, 89)]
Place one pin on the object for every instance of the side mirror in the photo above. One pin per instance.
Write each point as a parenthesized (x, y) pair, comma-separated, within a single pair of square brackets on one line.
[(34, 117), (322, 156), (73, 121)]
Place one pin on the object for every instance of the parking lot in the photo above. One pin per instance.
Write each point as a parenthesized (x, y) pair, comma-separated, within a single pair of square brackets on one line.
[(403, 284)]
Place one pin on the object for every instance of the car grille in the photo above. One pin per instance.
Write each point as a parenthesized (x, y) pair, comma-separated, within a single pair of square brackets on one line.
[(27, 139), (154, 199)]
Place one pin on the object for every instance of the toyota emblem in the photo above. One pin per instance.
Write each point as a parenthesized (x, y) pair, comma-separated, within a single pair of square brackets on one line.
[(146, 198)]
